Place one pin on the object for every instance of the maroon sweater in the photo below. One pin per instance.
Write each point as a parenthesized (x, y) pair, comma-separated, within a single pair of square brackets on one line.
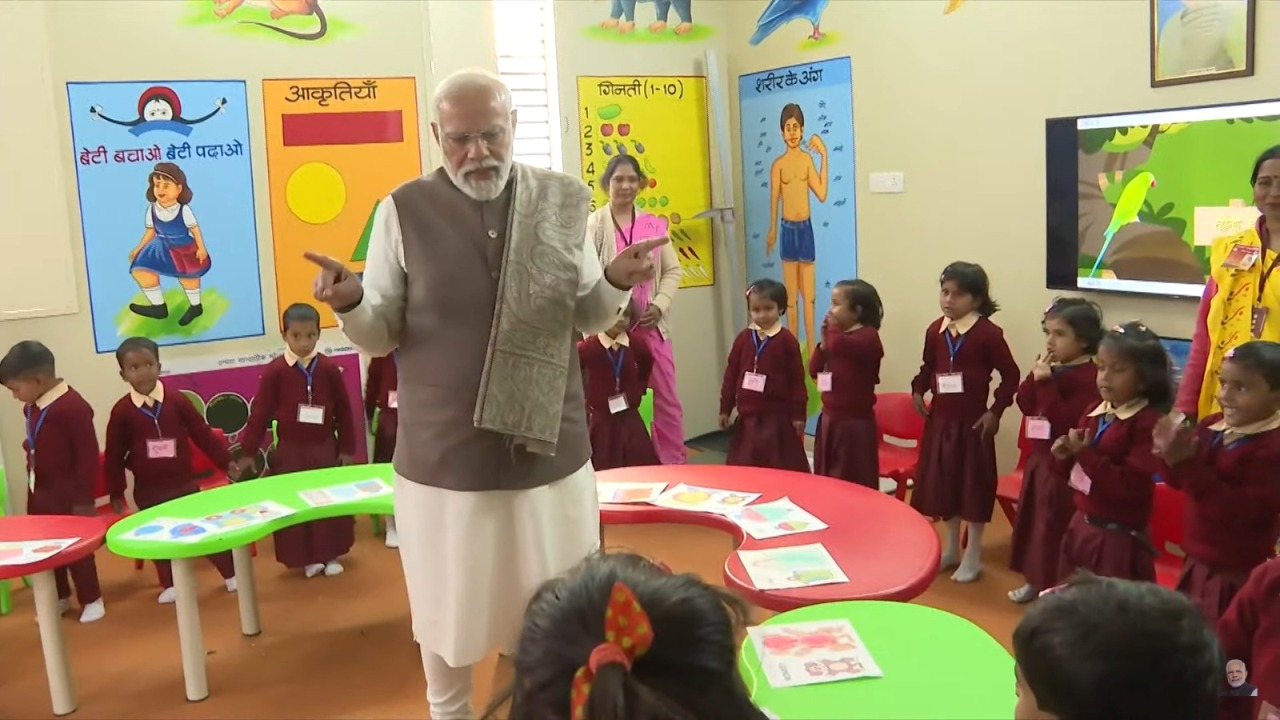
[(982, 352), (382, 380), (282, 390), (597, 373), (853, 359), (66, 455), (1070, 392), (784, 390), (1250, 630), (1233, 494), (128, 431), (1121, 467)]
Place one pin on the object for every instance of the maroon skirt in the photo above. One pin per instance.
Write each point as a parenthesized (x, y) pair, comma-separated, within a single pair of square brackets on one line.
[(1104, 552), (384, 440), (957, 472), (767, 440), (620, 440), (1209, 588), (317, 541), (1045, 507), (847, 448)]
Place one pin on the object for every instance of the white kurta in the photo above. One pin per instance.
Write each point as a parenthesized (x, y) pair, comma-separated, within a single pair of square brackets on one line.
[(473, 559)]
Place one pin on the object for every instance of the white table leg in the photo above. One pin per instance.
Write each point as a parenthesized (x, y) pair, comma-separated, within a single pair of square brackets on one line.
[(190, 637), (61, 689), (246, 592)]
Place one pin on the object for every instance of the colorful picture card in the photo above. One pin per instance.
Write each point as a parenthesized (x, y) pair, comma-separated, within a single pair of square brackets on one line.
[(345, 492), (26, 552), (701, 499), (776, 519), (812, 652), (624, 493), (796, 566)]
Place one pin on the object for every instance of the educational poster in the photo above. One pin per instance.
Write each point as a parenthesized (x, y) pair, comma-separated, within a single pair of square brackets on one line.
[(798, 189), (166, 210), (778, 18), (223, 389), (662, 121), (281, 20), (335, 148), (641, 22)]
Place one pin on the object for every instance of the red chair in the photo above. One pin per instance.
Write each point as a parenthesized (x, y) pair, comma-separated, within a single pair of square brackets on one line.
[(206, 474), (1009, 485), (897, 419), (1168, 527), (102, 503)]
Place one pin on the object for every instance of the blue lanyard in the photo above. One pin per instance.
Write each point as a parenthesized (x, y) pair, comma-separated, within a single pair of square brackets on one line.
[(761, 344), (1103, 425), (953, 346), (153, 414), (33, 432), (309, 372), (616, 360), (1218, 439)]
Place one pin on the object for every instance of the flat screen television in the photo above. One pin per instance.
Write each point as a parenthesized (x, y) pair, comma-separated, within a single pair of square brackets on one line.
[(1134, 200), (1179, 349)]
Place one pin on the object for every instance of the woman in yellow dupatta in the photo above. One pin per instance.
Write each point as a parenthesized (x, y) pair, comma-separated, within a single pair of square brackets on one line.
[(1241, 299)]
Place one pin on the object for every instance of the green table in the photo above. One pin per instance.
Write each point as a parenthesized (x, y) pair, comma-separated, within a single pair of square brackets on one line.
[(937, 666), (282, 489)]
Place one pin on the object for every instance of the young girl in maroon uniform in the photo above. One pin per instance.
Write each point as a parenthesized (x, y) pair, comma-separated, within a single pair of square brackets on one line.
[(381, 401), (302, 391), (846, 366), (1109, 460), (1250, 633), (956, 479), (1061, 387), (615, 370), (1227, 466), (62, 459), (150, 433), (764, 380)]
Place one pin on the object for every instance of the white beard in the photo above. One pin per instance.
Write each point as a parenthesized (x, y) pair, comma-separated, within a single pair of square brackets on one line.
[(482, 190)]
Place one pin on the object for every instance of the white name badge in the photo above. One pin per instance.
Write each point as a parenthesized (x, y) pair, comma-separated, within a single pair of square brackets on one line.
[(753, 381), (311, 414), (950, 383), (617, 404), (162, 448), (824, 382), (393, 399), (1038, 428), (31, 481), (1079, 479)]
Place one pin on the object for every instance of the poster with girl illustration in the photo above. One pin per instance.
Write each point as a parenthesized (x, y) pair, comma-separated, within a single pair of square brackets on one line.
[(166, 210)]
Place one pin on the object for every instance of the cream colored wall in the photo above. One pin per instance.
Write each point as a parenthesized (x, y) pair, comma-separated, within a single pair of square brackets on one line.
[(699, 327), (958, 103)]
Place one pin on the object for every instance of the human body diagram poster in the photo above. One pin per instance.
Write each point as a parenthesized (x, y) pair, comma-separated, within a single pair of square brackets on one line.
[(166, 209)]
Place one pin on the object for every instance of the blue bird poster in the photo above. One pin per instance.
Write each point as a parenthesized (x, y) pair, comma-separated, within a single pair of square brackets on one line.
[(798, 188), (166, 210)]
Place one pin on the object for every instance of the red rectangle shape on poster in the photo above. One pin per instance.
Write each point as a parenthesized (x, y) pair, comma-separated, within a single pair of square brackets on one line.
[(343, 128)]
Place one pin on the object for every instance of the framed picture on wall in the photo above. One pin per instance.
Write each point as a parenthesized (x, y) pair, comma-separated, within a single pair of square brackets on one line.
[(1201, 40)]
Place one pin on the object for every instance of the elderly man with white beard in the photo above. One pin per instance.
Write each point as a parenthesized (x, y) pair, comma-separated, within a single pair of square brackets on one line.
[(478, 276)]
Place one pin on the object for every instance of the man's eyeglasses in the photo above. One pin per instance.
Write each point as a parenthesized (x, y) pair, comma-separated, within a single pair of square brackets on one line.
[(464, 140)]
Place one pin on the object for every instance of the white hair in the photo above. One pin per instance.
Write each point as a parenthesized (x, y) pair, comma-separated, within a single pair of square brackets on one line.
[(471, 79)]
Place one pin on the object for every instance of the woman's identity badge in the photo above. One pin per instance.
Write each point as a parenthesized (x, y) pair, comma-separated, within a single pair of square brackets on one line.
[(311, 414), (1080, 479), (393, 399), (1242, 257), (1260, 314), (1037, 428), (753, 381), (950, 383), (824, 382), (617, 404), (162, 448)]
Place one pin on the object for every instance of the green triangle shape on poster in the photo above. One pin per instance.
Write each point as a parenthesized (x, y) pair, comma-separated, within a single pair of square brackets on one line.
[(362, 247)]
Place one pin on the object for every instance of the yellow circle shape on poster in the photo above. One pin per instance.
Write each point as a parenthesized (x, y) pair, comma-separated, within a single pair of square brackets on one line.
[(315, 193)]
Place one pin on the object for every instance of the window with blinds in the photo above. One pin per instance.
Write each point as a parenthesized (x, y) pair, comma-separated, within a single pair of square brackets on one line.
[(524, 37)]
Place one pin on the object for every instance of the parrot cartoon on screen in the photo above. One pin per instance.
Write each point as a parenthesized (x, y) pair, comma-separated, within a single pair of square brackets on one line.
[(780, 12), (1127, 208)]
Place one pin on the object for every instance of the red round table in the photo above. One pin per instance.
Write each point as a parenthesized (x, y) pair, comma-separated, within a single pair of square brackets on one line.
[(26, 528), (887, 550)]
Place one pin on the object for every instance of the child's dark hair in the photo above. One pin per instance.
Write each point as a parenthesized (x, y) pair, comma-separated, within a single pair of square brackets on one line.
[(137, 344), (689, 672), (26, 359), (971, 279), (790, 111), (861, 295), (1112, 649), (770, 290), (1084, 317), (606, 177), (1260, 356), (299, 313), (1271, 153), (1142, 347)]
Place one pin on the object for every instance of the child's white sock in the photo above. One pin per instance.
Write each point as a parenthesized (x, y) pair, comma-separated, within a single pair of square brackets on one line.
[(313, 569), (1024, 594), (333, 567), (230, 584), (93, 612), (193, 296), (951, 551), (154, 295), (971, 563), (168, 596)]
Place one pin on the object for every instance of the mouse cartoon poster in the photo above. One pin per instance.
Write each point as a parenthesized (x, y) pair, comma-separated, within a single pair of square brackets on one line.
[(166, 210)]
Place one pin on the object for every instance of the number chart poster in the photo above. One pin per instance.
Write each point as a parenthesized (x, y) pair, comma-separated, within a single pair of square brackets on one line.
[(223, 390), (798, 188), (662, 121), (166, 210), (335, 148)]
